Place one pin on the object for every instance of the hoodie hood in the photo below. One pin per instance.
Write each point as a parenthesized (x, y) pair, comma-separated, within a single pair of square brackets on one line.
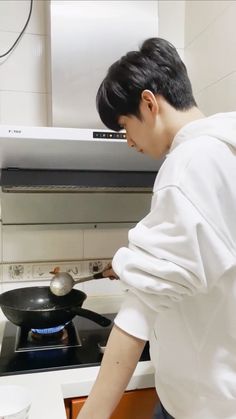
[(221, 126)]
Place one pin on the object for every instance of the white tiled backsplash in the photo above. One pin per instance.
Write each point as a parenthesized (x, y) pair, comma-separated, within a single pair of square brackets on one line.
[(63, 242), (16, 272), (13, 16), (29, 253), (23, 73)]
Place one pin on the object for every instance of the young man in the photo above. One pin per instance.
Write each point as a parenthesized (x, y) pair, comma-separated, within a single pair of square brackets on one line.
[(180, 266)]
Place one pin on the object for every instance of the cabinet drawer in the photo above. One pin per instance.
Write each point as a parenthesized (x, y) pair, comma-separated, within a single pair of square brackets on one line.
[(67, 403), (135, 404)]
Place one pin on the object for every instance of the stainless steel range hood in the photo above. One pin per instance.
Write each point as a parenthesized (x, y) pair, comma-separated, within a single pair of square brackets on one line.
[(75, 154), (38, 159), (86, 37), (63, 160)]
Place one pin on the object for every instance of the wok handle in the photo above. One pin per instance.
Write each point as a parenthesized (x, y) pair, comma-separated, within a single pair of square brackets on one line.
[(95, 317)]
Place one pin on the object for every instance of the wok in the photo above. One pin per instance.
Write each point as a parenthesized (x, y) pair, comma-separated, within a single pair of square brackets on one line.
[(38, 308)]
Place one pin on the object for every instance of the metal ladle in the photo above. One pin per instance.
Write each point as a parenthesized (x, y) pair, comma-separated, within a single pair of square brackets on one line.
[(62, 282)]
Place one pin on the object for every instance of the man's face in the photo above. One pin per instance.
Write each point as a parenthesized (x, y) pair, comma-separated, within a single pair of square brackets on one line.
[(144, 137), (146, 134), (134, 132)]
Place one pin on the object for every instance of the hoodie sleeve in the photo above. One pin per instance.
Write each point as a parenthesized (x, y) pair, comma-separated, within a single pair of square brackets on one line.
[(173, 252)]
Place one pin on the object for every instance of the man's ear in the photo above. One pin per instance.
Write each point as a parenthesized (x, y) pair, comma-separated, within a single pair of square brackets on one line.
[(149, 102)]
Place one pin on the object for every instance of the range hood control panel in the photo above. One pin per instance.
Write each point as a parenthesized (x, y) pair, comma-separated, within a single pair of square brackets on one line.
[(109, 135)]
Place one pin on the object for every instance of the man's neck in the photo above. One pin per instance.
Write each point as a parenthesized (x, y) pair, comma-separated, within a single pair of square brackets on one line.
[(174, 119)]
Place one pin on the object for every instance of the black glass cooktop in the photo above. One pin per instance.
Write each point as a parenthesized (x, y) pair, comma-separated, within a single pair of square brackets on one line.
[(81, 347)]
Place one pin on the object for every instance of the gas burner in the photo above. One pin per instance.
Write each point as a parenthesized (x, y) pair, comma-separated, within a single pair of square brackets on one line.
[(63, 336), (48, 331), (49, 335), (54, 334)]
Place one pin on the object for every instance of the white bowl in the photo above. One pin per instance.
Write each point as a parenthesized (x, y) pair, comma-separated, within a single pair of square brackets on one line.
[(15, 402)]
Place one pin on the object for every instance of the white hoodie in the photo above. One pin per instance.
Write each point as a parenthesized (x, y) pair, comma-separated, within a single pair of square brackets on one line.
[(180, 273)]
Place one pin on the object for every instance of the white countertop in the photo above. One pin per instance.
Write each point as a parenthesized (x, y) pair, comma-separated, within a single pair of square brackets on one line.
[(48, 389)]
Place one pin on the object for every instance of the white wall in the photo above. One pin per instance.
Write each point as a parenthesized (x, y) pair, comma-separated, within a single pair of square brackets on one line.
[(210, 46), (171, 23), (23, 91)]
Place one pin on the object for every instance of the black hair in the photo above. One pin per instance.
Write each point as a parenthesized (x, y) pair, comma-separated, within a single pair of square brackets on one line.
[(158, 67)]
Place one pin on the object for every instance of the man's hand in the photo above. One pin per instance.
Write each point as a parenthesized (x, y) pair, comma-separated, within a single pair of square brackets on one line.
[(109, 273)]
